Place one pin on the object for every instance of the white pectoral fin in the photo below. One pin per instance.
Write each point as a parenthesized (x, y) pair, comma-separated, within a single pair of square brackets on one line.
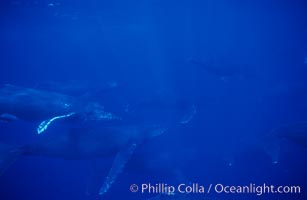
[(118, 165), (189, 115), (45, 124)]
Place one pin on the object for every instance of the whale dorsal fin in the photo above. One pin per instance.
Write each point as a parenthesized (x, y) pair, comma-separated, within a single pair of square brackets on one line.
[(118, 165)]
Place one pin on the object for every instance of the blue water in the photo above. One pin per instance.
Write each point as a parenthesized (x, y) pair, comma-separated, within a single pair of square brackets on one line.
[(157, 53)]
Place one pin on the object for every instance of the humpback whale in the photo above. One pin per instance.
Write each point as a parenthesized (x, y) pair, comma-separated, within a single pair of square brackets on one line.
[(37, 105), (82, 143), (294, 132), (222, 70)]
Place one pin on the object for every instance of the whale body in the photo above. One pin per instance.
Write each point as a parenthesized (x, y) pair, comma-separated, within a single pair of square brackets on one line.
[(80, 144), (32, 105)]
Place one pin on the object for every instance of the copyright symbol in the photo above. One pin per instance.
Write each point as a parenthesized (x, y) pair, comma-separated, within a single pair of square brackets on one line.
[(134, 188)]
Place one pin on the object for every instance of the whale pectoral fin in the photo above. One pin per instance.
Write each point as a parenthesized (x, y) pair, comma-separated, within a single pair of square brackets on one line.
[(45, 124), (5, 117), (117, 167), (191, 112), (96, 174)]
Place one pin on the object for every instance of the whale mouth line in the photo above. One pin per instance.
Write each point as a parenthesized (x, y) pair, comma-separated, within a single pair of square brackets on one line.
[(43, 126)]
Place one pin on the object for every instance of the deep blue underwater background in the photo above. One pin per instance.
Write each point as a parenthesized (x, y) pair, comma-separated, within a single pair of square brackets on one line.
[(146, 48)]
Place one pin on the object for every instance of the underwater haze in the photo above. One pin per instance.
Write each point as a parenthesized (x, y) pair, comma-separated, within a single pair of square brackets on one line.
[(153, 99)]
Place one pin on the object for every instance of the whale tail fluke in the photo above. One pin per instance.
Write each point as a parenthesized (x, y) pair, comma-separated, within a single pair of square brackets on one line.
[(8, 155)]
